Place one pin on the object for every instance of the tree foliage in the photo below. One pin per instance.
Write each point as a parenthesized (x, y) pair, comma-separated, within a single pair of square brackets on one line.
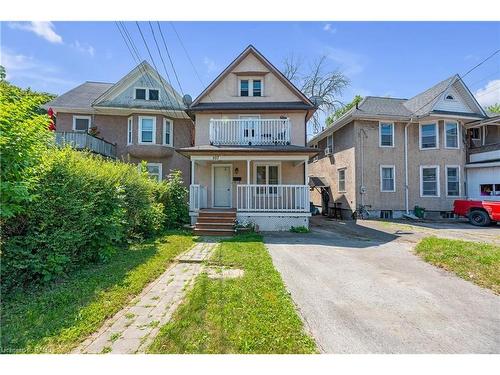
[(495, 108), (341, 111), (319, 81)]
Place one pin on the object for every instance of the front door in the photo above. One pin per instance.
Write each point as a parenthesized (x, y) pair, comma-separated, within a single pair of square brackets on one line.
[(222, 186)]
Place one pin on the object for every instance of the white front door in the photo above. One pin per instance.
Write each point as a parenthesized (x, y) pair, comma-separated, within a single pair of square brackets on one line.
[(222, 186)]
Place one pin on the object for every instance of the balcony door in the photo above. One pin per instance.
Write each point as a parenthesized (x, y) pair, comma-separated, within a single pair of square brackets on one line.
[(250, 127), (222, 185)]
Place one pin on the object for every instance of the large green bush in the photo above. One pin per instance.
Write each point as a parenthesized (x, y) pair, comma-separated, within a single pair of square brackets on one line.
[(174, 196)]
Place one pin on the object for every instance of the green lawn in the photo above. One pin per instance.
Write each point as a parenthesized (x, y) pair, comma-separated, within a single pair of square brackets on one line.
[(251, 314), (54, 319), (473, 261)]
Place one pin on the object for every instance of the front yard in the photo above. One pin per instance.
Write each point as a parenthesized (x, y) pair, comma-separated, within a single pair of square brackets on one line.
[(473, 261), (55, 318), (250, 314)]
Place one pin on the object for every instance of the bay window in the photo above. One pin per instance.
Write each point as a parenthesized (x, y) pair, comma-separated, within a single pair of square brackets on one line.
[(452, 181), (451, 134), (147, 130), (167, 132), (429, 181), (429, 138)]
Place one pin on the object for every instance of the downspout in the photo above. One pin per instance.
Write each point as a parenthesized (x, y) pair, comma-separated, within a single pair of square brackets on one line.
[(406, 168), (362, 133)]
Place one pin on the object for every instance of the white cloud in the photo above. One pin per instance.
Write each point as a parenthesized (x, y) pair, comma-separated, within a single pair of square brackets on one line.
[(349, 62), (489, 94), (83, 47), (328, 28), (40, 28), (210, 64)]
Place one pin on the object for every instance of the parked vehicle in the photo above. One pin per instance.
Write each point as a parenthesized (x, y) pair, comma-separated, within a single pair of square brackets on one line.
[(479, 213)]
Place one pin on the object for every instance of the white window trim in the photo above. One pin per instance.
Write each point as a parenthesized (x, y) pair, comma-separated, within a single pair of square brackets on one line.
[(459, 180), (438, 181), (331, 147), (147, 93), (380, 133), (345, 180), (446, 134), (130, 130), (250, 86), (267, 164), (140, 130), (160, 169), (171, 126), (79, 117), (420, 135), (393, 167)]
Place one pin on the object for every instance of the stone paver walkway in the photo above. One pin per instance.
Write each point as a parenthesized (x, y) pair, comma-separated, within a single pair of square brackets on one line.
[(133, 329)]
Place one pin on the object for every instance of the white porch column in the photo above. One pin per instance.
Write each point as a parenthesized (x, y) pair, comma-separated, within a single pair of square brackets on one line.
[(192, 171), (306, 171), (248, 171)]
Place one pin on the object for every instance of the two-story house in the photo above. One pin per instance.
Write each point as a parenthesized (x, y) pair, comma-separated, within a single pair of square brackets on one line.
[(141, 117), (391, 155), (249, 161)]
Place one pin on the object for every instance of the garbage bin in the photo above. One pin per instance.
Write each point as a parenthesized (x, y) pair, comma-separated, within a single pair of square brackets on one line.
[(419, 212)]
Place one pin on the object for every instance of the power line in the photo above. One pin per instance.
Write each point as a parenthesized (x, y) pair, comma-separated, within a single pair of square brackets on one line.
[(169, 58), (462, 77)]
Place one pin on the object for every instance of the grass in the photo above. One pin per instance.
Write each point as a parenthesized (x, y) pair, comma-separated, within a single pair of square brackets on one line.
[(56, 318), (473, 261), (251, 314)]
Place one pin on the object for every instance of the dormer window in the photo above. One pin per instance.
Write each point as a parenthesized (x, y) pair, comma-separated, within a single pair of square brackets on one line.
[(250, 87), (147, 94), (449, 97)]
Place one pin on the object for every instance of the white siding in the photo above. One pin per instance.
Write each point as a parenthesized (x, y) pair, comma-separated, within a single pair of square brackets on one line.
[(457, 105), (478, 176)]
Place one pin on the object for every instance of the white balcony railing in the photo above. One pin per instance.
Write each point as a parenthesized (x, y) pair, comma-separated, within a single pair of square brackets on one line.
[(84, 141), (272, 198), (197, 197), (250, 132)]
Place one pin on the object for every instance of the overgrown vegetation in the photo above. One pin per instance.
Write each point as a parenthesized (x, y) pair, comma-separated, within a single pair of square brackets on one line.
[(56, 317), (251, 314), (299, 229), (62, 209), (473, 261), (341, 111)]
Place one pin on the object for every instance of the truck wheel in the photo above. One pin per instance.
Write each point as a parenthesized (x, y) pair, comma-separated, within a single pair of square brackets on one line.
[(479, 218)]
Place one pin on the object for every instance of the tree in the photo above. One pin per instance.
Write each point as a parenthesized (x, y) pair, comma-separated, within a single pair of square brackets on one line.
[(495, 108), (340, 112), (320, 82), (2, 73)]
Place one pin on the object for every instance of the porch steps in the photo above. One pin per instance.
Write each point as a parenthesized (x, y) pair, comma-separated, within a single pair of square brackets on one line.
[(213, 222)]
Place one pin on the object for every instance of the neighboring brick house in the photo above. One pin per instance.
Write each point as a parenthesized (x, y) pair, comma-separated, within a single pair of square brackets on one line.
[(250, 156), (394, 154), (141, 117)]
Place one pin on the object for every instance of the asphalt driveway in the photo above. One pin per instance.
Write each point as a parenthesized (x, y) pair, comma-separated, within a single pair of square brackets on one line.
[(364, 291)]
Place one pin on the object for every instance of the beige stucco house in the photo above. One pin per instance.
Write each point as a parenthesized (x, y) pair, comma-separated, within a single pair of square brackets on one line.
[(139, 118), (391, 154), (250, 154)]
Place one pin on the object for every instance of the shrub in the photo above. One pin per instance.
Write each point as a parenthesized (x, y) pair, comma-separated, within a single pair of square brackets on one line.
[(299, 229), (88, 206), (174, 196)]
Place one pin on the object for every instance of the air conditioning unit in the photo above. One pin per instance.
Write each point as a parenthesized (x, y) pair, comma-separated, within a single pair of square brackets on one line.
[(328, 151)]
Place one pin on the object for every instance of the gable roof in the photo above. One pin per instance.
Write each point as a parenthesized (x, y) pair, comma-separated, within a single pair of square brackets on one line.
[(142, 69), (81, 97), (252, 50)]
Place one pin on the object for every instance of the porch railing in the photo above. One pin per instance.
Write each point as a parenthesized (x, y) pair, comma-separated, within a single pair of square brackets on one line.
[(250, 132), (272, 198), (84, 141), (197, 197)]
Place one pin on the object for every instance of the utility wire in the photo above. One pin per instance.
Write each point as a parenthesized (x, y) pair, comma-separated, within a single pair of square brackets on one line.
[(169, 57)]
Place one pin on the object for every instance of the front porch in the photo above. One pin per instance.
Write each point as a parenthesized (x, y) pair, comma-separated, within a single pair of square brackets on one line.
[(269, 191)]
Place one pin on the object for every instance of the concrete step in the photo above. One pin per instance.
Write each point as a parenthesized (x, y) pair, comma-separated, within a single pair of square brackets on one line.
[(214, 225), (215, 219)]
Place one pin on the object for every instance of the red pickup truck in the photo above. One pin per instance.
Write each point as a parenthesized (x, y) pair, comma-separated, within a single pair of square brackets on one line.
[(480, 213)]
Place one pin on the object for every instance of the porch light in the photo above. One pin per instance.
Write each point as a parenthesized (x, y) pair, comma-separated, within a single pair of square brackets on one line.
[(236, 170)]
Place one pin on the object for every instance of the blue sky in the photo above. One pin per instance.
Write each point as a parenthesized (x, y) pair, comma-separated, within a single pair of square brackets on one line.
[(397, 59)]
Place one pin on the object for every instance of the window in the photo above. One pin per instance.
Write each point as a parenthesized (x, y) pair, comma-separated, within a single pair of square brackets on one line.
[(256, 87), (449, 97), (386, 214), (140, 94), (386, 134), (129, 130), (153, 94), (428, 136), (387, 180), (81, 123), (329, 143), (475, 133), (154, 170), (167, 132), (341, 177), (452, 181), (490, 190), (267, 174), (429, 181), (244, 87), (451, 134), (147, 129)]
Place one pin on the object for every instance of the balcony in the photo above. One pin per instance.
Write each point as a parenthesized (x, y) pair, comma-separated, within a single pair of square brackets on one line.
[(246, 132), (484, 153), (84, 141)]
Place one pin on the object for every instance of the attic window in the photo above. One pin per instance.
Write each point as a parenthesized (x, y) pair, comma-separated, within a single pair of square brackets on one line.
[(140, 94), (449, 97), (153, 94)]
